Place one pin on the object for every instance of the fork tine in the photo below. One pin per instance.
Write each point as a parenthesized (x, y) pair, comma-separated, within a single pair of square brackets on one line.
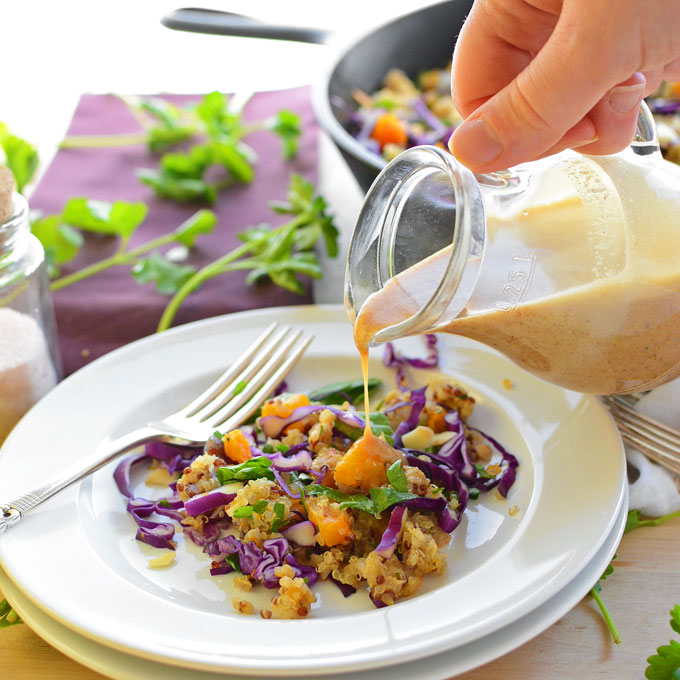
[(229, 375), (229, 421), (656, 454), (252, 378), (652, 438)]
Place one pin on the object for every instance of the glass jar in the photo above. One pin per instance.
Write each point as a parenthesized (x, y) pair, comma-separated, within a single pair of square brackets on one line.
[(569, 265), (29, 359)]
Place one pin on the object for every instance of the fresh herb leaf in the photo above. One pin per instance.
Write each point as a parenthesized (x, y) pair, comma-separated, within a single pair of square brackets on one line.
[(253, 468), (279, 510), (286, 125), (665, 664), (276, 524), (595, 593), (481, 471), (380, 424), (385, 498), (217, 434), (119, 218), (235, 157), (20, 157), (168, 276), (235, 562), (61, 242), (397, 477), (379, 500), (260, 506), (8, 617), (675, 618), (182, 190), (164, 503), (635, 521), (268, 448), (243, 511), (338, 392), (240, 386)]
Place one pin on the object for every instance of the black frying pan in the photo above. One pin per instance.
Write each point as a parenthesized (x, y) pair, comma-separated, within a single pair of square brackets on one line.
[(418, 41)]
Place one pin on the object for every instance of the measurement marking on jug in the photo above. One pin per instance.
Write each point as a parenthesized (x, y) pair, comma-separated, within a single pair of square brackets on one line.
[(517, 281)]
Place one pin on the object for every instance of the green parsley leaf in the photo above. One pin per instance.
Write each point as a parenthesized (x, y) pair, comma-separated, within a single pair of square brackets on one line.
[(119, 218), (189, 165), (385, 498), (276, 524), (164, 503), (474, 493), (20, 157), (168, 276), (8, 617), (235, 157), (380, 499), (201, 222), (240, 386), (675, 618), (268, 448), (61, 242), (243, 511), (279, 510), (665, 663), (253, 468), (635, 521), (481, 471), (260, 506), (397, 476), (219, 121), (380, 424), (286, 125), (217, 434), (235, 562), (178, 189), (337, 392)]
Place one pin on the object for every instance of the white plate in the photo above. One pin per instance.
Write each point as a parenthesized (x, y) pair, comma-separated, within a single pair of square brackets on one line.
[(76, 557), (123, 666)]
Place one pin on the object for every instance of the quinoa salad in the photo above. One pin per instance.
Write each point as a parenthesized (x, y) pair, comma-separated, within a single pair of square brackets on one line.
[(407, 112), (296, 497)]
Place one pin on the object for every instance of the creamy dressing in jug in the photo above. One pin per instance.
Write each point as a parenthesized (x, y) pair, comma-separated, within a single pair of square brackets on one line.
[(610, 251)]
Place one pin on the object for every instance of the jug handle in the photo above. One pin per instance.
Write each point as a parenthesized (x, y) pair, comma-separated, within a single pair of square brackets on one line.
[(645, 141)]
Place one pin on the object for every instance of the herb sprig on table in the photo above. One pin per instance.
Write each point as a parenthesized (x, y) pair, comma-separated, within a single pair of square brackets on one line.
[(8, 617), (665, 664), (282, 254), (217, 158)]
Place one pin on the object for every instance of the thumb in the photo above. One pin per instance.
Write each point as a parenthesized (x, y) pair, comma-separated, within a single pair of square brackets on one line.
[(543, 108)]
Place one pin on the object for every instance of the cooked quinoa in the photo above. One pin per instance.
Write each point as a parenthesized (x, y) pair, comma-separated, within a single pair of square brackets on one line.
[(305, 494)]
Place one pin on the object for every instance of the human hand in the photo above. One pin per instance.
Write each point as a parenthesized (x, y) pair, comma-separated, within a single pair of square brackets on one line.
[(534, 77)]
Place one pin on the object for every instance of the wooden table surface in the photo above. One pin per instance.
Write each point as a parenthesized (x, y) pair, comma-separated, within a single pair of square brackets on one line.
[(640, 593)]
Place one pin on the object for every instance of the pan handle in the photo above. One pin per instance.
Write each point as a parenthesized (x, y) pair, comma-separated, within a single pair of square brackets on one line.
[(197, 20)]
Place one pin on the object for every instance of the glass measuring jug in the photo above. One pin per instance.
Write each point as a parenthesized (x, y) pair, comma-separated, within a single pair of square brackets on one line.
[(569, 265)]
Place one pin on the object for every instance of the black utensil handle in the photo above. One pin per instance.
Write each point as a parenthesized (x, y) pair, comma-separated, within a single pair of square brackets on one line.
[(197, 20)]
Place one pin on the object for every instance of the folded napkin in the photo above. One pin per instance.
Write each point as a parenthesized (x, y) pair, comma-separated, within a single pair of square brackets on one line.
[(110, 309), (655, 491)]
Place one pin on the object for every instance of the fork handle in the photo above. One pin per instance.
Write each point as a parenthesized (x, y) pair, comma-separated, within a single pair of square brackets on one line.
[(110, 449)]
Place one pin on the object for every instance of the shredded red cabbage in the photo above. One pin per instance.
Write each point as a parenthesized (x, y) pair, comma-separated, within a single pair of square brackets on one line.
[(390, 537), (417, 405), (200, 505)]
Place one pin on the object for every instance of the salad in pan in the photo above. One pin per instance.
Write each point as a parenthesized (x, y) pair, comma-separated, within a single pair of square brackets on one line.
[(293, 498), (403, 113)]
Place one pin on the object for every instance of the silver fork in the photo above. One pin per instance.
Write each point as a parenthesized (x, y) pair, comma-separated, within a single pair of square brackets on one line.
[(230, 400), (655, 440)]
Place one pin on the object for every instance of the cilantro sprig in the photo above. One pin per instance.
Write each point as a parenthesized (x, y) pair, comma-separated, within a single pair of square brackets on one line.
[(253, 468), (282, 253), (665, 664), (216, 129), (635, 520), (379, 500)]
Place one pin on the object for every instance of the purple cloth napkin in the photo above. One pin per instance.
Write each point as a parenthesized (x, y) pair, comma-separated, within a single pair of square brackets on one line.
[(110, 309)]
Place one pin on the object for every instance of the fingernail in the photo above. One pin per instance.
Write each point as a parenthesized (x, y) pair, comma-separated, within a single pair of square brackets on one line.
[(474, 143), (625, 98)]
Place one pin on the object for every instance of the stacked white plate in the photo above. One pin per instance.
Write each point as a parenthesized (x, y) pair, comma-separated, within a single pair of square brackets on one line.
[(75, 573)]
